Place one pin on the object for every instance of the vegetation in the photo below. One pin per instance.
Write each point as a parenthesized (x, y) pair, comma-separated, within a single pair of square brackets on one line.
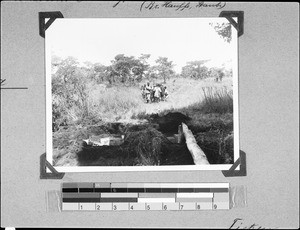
[(164, 68), (217, 101), (223, 29), (88, 99)]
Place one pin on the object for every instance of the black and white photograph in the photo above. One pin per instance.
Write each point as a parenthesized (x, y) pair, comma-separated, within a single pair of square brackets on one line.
[(149, 114), (141, 94)]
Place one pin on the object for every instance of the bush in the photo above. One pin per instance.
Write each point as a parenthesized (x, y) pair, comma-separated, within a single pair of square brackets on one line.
[(217, 100)]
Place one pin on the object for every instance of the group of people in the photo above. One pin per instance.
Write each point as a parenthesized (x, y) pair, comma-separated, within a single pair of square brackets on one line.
[(155, 93)]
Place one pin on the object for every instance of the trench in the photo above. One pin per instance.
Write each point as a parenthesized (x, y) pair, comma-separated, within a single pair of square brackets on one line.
[(170, 151), (159, 132)]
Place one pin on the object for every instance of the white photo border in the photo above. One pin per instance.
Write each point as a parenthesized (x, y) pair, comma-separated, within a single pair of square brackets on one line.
[(79, 169)]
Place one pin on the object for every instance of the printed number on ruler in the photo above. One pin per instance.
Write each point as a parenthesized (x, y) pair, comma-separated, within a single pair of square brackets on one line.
[(144, 196)]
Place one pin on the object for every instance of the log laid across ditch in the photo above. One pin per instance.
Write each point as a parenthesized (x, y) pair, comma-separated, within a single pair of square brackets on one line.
[(197, 153), (148, 146)]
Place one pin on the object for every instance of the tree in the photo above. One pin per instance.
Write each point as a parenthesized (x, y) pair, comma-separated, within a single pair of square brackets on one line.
[(129, 69), (195, 69), (152, 73), (142, 67), (200, 68), (164, 67), (65, 71), (217, 73), (100, 72), (223, 29), (121, 66), (69, 89), (188, 71), (111, 74)]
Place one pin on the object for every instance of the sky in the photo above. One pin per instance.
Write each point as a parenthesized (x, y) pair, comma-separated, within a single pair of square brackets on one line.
[(180, 39)]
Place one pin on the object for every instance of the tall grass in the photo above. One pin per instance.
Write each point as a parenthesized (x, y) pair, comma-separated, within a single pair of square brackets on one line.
[(125, 104), (217, 100), (114, 104)]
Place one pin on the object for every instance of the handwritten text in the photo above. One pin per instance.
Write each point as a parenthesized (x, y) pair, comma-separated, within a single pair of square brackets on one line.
[(177, 6)]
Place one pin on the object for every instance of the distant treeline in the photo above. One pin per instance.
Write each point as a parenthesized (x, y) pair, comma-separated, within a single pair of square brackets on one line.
[(129, 70)]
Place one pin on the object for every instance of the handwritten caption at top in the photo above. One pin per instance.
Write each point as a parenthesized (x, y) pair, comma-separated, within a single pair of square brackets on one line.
[(177, 6)]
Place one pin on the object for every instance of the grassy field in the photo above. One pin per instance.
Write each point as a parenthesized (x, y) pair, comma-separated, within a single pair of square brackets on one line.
[(125, 104), (206, 102)]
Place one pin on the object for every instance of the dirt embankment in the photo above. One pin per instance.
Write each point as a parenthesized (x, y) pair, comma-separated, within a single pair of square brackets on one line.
[(145, 144), (154, 143)]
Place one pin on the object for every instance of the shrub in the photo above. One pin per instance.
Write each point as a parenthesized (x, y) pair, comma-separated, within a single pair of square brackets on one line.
[(217, 100)]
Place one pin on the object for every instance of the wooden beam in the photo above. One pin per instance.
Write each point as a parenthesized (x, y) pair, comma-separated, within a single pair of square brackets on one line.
[(180, 137), (196, 152)]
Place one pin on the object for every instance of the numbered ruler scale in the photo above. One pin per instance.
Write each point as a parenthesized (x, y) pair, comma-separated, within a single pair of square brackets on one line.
[(144, 196)]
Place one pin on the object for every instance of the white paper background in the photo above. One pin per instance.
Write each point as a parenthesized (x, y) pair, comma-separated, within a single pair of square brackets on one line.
[(269, 125)]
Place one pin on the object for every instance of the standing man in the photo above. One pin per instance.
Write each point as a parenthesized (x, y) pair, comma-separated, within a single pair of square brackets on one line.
[(148, 92), (166, 94), (157, 93), (143, 88), (162, 94)]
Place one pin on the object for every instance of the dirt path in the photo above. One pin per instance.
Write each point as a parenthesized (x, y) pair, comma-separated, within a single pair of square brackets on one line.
[(182, 93)]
